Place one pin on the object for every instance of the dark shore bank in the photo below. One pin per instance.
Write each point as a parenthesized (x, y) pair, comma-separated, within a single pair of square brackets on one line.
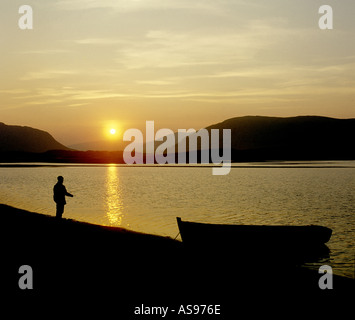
[(77, 260)]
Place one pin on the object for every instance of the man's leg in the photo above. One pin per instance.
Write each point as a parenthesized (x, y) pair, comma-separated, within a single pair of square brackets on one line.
[(60, 210)]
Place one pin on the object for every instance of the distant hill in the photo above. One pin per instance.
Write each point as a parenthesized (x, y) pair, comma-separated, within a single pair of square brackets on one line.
[(26, 139), (99, 146), (254, 138), (113, 145), (302, 137)]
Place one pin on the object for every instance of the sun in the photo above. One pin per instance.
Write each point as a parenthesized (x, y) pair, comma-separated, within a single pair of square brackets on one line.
[(111, 130)]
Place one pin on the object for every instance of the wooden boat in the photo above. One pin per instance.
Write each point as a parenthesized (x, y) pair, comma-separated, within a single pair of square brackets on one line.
[(254, 238)]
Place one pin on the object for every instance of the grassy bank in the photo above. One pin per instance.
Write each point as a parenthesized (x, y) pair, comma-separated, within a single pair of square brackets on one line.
[(75, 258)]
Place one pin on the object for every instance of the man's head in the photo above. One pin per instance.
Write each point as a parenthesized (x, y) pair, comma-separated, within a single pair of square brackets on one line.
[(60, 179)]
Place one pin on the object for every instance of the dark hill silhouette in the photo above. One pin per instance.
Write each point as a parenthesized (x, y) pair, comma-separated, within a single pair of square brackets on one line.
[(302, 137), (254, 138), (258, 138), (253, 132), (27, 139)]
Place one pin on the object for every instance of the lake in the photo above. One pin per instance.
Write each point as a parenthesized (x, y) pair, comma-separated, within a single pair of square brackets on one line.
[(149, 198)]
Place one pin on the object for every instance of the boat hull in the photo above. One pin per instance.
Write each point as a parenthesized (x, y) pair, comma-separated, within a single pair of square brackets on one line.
[(257, 240)]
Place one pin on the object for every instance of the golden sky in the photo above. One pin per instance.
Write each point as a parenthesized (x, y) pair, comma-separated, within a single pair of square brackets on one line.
[(88, 65)]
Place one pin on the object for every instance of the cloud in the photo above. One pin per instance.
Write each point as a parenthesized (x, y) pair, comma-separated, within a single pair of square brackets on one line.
[(139, 5), (47, 74), (14, 91), (98, 41), (161, 82), (228, 51), (169, 49), (45, 51)]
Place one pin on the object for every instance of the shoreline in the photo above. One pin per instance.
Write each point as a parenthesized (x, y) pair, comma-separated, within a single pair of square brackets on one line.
[(289, 164), (70, 257)]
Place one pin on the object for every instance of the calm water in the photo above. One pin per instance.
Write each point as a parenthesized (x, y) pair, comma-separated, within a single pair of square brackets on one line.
[(149, 199)]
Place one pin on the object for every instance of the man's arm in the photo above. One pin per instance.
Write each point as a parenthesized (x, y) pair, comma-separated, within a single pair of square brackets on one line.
[(67, 193)]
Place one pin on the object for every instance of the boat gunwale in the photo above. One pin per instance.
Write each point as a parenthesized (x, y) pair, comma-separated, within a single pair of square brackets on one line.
[(316, 233)]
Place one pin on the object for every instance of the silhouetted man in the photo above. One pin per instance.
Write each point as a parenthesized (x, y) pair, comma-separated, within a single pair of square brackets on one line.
[(59, 193)]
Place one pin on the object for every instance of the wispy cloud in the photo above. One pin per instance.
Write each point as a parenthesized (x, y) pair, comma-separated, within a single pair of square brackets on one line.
[(45, 51), (162, 82), (47, 74), (98, 41), (168, 49), (139, 5), (143, 55)]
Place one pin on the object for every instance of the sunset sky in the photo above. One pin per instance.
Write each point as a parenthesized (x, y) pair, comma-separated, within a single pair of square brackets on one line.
[(89, 65)]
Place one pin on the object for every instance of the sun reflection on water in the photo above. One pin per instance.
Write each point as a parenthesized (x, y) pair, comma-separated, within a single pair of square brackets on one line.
[(114, 204)]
